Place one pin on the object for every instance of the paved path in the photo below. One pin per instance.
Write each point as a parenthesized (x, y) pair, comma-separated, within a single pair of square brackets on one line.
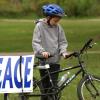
[(31, 53), (93, 52), (32, 20), (16, 20)]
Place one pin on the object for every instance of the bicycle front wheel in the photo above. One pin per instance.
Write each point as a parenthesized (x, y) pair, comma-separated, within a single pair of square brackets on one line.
[(89, 88)]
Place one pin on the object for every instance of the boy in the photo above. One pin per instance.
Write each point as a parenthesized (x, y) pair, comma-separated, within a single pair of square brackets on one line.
[(49, 39)]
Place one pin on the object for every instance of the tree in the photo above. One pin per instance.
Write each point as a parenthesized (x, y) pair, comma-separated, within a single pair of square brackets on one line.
[(58, 2), (16, 1)]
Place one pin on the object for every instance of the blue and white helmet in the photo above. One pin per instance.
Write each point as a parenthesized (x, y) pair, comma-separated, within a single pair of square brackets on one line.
[(53, 10)]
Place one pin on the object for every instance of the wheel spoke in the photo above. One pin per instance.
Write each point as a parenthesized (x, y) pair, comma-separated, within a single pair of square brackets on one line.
[(89, 89)]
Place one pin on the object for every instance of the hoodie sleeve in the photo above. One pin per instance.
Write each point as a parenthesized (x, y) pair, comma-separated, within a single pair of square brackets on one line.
[(63, 44), (36, 41)]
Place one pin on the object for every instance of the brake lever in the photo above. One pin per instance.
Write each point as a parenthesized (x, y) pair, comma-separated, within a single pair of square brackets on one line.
[(92, 45), (86, 46)]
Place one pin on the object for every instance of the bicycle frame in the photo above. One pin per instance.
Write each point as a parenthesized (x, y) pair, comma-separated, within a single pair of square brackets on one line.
[(82, 69), (66, 83)]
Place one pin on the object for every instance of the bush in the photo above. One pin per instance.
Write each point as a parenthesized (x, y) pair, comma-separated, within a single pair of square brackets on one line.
[(71, 7), (95, 9)]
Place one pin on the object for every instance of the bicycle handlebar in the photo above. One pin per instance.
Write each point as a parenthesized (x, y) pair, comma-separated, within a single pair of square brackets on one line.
[(40, 56), (72, 54), (75, 54), (85, 47)]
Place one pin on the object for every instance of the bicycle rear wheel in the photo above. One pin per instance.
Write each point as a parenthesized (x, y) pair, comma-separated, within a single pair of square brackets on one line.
[(12, 96), (36, 94), (26, 96), (38, 91), (89, 88), (55, 96)]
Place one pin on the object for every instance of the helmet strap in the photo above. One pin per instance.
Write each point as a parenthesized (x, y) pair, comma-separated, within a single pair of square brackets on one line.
[(48, 20)]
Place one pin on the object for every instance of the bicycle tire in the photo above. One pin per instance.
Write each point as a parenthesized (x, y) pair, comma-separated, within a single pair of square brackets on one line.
[(55, 96), (13, 96), (36, 91), (86, 90), (49, 90)]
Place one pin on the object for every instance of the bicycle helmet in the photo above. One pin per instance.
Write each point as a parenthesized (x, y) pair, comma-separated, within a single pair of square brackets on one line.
[(53, 10)]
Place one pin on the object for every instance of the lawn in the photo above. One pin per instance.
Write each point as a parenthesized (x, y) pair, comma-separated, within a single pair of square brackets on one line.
[(16, 36)]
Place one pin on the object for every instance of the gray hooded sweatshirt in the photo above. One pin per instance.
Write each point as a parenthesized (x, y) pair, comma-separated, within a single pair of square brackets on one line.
[(50, 39)]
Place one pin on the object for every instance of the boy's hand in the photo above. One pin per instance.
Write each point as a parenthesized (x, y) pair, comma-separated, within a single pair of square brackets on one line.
[(66, 54), (45, 54)]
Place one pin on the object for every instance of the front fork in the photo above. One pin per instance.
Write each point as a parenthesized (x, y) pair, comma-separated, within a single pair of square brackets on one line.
[(89, 84)]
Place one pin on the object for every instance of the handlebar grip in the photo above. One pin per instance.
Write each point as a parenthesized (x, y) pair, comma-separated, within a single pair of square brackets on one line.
[(86, 45), (40, 56)]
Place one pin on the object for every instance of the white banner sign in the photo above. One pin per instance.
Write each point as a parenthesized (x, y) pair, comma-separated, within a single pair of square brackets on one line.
[(16, 74)]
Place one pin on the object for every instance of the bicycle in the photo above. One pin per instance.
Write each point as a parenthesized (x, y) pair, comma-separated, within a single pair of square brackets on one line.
[(87, 89)]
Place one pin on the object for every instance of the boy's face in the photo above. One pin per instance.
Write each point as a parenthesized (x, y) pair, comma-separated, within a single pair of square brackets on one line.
[(55, 20)]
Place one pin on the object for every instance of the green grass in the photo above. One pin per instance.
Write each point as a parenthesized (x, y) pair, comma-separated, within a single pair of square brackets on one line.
[(16, 36), (78, 31)]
